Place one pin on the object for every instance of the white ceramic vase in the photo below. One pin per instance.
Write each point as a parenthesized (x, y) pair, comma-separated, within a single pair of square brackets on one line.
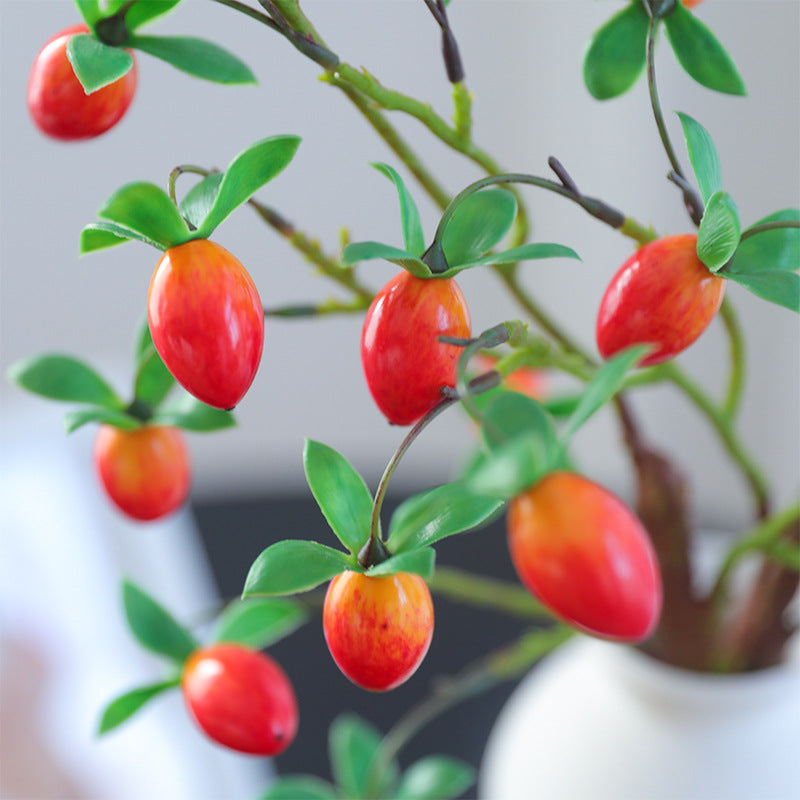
[(600, 721)]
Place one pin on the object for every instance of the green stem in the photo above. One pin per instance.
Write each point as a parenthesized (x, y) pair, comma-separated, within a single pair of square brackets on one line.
[(733, 396), (260, 16), (764, 227)]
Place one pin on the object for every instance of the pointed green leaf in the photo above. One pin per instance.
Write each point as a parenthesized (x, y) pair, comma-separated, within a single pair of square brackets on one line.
[(293, 566), (703, 156), (199, 199), (435, 778), (197, 57), (526, 252), (718, 236), (143, 342), (510, 468), (511, 414), (353, 746), (105, 416), (90, 11), (700, 54), (420, 562), (64, 378), (259, 622), (144, 208), (478, 224), (191, 414), (340, 492), (300, 787), (433, 515), (364, 251), (154, 627), (777, 286), (96, 64), (99, 235), (153, 380), (616, 54), (606, 382), (246, 174), (771, 250), (122, 708), (413, 238), (144, 11)]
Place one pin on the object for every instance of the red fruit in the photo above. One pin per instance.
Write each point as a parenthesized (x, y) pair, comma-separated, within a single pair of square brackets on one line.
[(691, 3), (584, 554), (378, 629), (207, 321), (404, 362), (145, 471), (663, 295), (240, 698), (58, 103)]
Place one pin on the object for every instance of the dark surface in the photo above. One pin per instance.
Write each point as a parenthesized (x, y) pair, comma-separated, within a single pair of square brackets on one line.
[(234, 533)]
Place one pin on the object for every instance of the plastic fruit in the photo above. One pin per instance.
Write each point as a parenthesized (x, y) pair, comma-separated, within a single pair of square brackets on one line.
[(584, 554), (662, 295), (378, 629), (144, 471), (59, 104), (404, 362), (240, 698), (207, 321)]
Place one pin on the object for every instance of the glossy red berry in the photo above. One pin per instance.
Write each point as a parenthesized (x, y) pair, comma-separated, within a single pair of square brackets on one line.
[(59, 104), (662, 295), (378, 629), (240, 698), (584, 554), (145, 471), (405, 364), (207, 321)]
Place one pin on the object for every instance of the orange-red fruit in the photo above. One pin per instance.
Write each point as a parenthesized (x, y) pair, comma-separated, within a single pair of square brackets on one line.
[(58, 103), (663, 295), (378, 629), (405, 364), (691, 3), (240, 698), (145, 471), (207, 321), (584, 554)]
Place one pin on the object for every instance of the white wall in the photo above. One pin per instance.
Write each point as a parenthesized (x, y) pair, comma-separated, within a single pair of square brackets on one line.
[(523, 65)]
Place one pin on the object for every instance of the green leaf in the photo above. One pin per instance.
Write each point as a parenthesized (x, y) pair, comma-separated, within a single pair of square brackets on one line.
[(199, 199), (435, 778), (772, 250), (246, 174), (478, 224), (90, 11), (421, 562), (143, 342), (433, 515), (413, 238), (197, 57), (99, 235), (154, 627), (300, 787), (606, 382), (364, 251), (96, 64), (703, 156), (146, 209), (718, 236), (105, 416), (294, 565), (512, 414), (354, 745), (340, 492), (259, 622), (700, 54), (63, 378), (510, 468), (525, 252), (777, 286), (616, 54), (122, 708), (144, 11), (191, 414), (153, 380)]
